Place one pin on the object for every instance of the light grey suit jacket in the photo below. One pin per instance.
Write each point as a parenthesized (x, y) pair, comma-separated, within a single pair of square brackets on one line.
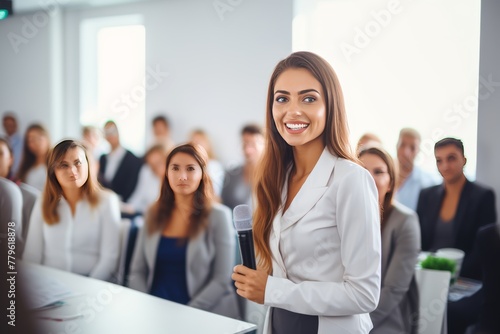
[(11, 203), (209, 264), (30, 195), (397, 311)]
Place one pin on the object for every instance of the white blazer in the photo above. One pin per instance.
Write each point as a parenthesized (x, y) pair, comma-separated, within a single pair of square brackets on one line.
[(326, 249)]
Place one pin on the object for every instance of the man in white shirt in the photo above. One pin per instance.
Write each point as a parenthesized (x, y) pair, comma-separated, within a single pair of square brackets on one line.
[(410, 179), (119, 169)]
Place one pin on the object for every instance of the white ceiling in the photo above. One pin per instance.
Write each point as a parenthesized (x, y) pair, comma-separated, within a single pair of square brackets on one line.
[(22, 6)]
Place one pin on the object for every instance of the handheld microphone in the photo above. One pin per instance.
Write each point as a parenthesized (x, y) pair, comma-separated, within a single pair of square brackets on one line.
[(242, 217)]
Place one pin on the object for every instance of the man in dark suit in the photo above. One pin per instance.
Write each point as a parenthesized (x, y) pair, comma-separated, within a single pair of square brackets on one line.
[(450, 215), (119, 169)]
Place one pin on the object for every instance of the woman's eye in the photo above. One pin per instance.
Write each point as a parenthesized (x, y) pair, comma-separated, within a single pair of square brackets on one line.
[(281, 99), (78, 163), (190, 169), (309, 99)]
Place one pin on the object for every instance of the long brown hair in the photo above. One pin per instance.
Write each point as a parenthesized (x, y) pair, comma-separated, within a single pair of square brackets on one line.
[(160, 212), (386, 206), (29, 158), (53, 191), (278, 155)]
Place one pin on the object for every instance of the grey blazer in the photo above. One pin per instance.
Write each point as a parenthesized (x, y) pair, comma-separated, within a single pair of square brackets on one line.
[(397, 311), (209, 264)]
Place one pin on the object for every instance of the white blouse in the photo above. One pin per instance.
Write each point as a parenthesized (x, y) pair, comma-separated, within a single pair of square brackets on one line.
[(147, 190), (37, 176), (86, 243)]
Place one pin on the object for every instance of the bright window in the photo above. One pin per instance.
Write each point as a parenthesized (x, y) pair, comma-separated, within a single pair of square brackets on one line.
[(401, 64), (113, 70)]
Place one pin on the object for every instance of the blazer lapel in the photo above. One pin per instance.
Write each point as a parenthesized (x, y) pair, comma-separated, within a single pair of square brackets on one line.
[(462, 208), (311, 191), (151, 250)]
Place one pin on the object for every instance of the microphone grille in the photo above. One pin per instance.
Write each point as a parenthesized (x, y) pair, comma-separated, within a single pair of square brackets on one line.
[(242, 216)]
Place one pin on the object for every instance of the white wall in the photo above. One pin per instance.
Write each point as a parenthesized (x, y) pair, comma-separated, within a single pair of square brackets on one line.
[(488, 148), (218, 64), (30, 73)]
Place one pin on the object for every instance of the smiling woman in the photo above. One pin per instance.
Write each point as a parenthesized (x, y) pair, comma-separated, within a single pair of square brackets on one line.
[(316, 222)]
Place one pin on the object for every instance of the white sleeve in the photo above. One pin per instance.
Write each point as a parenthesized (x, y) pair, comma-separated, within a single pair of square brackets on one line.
[(34, 245), (358, 223), (110, 237)]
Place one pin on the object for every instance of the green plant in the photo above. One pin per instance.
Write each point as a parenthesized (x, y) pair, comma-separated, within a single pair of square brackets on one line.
[(439, 263)]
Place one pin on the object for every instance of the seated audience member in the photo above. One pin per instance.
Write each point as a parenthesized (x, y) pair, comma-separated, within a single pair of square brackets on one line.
[(14, 138), (450, 214), (149, 184), (368, 140), (92, 139), (161, 132), (33, 168), (11, 210), (185, 251), (215, 168), (411, 178), (29, 193), (75, 224), (119, 169), (398, 303), (10, 218), (488, 244), (6, 159), (238, 181)]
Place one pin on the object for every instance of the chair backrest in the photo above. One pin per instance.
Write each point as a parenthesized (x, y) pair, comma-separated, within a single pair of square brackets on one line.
[(119, 276), (433, 286)]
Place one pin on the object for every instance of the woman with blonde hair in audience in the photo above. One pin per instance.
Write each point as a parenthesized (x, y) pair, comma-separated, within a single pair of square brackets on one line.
[(400, 230), (185, 251), (33, 167), (75, 224)]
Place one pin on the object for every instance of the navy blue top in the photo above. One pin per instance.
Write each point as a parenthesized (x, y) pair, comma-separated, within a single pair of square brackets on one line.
[(169, 281)]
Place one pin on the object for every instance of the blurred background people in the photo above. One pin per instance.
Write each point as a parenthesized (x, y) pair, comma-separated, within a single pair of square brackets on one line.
[(14, 137), (33, 168), (149, 184), (29, 194), (215, 168), (6, 159), (93, 141), (185, 251), (119, 169), (400, 248), (450, 216), (161, 132), (367, 140), (238, 181), (451, 213), (75, 224), (410, 178)]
